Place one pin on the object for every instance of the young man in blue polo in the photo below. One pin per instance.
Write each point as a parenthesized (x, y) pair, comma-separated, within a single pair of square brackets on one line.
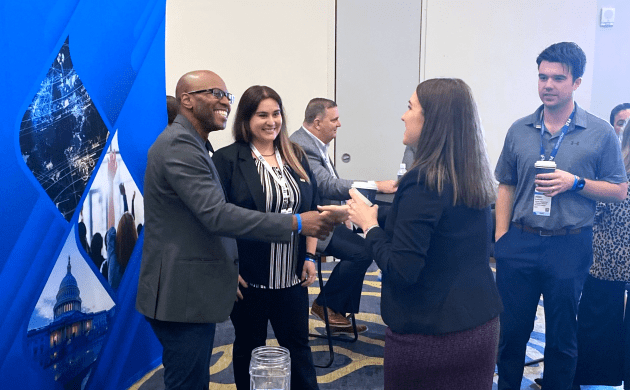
[(544, 221)]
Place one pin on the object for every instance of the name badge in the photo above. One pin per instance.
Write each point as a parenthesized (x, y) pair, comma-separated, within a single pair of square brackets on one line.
[(542, 204)]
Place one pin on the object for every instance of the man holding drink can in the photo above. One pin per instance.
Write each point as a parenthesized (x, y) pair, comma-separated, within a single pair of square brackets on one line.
[(554, 166)]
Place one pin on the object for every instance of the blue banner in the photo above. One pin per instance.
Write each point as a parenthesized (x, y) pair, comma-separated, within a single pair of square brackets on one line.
[(83, 100)]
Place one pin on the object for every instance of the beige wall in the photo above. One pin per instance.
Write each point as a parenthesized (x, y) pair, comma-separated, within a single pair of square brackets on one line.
[(290, 46), (493, 44), (287, 45)]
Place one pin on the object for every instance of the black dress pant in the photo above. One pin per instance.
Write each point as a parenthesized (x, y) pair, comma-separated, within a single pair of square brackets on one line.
[(287, 310), (343, 288), (187, 353), (603, 345)]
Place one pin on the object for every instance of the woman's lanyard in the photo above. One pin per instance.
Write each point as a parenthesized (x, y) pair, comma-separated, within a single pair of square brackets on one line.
[(564, 130), (280, 179)]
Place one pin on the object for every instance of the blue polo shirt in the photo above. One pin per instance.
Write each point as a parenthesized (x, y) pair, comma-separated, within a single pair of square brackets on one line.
[(590, 149)]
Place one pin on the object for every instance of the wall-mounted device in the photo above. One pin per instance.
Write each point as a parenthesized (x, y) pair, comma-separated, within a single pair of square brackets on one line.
[(607, 18)]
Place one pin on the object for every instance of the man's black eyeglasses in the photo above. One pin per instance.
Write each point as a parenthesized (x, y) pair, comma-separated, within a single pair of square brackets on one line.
[(216, 92)]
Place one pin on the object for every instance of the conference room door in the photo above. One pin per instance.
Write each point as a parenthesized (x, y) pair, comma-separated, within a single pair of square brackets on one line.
[(377, 70)]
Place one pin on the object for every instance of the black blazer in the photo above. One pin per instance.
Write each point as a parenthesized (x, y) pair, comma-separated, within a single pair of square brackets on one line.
[(241, 181), (434, 257)]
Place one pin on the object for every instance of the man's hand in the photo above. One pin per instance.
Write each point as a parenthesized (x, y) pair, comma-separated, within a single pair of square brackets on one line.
[(308, 273), (121, 187), (241, 283), (316, 224), (552, 184), (338, 212), (387, 186), (503, 209), (498, 234)]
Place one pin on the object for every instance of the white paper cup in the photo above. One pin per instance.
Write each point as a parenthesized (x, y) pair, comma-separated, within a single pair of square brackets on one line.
[(545, 167)]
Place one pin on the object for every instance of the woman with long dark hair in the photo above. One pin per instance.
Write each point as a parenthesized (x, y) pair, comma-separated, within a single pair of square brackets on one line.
[(124, 239), (439, 298), (263, 170), (119, 241)]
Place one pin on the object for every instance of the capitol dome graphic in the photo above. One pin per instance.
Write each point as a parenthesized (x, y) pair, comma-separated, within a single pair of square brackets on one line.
[(68, 297), (70, 324)]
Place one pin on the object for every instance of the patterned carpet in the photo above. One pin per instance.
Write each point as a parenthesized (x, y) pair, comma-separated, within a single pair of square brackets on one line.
[(357, 365)]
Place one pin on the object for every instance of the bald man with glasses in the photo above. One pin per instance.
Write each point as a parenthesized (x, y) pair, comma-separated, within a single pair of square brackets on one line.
[(189, 270)]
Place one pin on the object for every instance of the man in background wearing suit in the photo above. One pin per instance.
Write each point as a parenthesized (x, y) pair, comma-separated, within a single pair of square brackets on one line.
[(189, 270), (343, 289)]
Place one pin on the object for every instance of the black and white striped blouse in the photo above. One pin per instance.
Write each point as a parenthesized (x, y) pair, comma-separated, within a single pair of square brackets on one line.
[(283, 258)]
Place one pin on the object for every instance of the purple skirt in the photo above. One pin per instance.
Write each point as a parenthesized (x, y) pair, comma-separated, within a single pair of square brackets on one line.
[(459, 360)]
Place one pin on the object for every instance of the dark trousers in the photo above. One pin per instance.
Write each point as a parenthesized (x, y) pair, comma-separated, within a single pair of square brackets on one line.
[(529, 265), (287, 310), (343, 288), (187, 353), (603, 345)]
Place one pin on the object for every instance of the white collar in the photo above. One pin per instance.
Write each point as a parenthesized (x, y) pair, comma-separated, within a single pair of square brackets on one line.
[(322, 146)]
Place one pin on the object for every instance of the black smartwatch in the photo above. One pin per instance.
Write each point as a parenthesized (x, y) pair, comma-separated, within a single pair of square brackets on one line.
[(580, 184)]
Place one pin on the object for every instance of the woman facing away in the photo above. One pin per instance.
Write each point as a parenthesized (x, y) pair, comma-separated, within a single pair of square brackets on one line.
[(603, 332), (120, 244), (263, 170), (439, 298), (119, 241)]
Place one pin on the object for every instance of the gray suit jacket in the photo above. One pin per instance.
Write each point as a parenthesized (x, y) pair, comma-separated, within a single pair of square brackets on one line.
[(189, 264), (328, 187), (331, 189)]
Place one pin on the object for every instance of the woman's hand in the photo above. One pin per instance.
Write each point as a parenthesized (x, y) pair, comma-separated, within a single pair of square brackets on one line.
[(308, 273), (241, 283), (338, 212), (360, 213)]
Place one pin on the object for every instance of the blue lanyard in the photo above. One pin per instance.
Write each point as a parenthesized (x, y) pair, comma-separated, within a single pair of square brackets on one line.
[(564, 130)]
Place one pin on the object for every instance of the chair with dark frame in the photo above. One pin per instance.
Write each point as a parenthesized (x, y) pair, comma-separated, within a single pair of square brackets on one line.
[(328, 335)]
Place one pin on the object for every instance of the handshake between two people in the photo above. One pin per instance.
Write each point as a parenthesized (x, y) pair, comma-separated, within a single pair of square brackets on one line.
[(321, 222)]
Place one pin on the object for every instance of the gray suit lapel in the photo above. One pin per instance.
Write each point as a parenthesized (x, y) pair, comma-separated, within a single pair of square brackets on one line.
[(182, 120)]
